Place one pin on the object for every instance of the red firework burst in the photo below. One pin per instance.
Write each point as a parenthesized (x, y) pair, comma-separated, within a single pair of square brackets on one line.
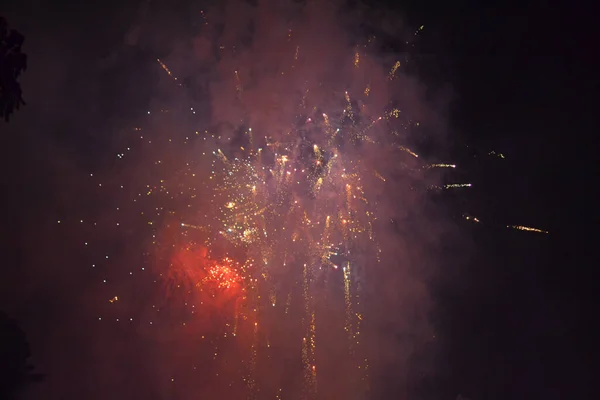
[(223, 274)]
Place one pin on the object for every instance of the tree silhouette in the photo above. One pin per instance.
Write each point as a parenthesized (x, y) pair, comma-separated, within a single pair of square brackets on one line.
[(12, 63), (15, 370)]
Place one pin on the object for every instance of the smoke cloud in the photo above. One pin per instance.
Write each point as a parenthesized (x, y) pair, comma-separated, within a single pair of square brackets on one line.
[(266, 65)]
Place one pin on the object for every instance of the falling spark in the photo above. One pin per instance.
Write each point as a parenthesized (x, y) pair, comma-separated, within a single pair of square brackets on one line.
[(430, 166), (526, 228), (457, 185), (409, 151), (167, 70), (392, 73), (471, 218)]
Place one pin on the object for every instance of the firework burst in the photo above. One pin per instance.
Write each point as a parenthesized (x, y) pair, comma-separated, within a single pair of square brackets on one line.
[(273, 223)]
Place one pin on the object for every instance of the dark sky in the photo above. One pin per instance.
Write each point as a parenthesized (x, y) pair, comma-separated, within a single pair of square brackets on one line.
[(512, 310), (522, 76)]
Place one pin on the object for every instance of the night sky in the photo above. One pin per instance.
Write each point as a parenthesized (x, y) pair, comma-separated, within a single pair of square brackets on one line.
[(484, 311)]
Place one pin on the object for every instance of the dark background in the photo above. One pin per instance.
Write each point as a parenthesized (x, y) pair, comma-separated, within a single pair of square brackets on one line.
[(521, 323), (524, 89), (517, 319)]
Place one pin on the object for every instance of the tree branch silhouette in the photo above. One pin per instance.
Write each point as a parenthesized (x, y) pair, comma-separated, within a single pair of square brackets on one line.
[(12, 63)]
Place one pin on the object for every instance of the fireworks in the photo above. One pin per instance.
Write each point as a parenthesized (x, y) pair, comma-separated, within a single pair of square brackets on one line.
[(246, 223), (298, 209), (222, 275), (271, 225), (526, 228)]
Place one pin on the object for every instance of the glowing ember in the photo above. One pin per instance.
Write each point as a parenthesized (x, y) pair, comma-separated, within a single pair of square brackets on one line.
[(223, 274)]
